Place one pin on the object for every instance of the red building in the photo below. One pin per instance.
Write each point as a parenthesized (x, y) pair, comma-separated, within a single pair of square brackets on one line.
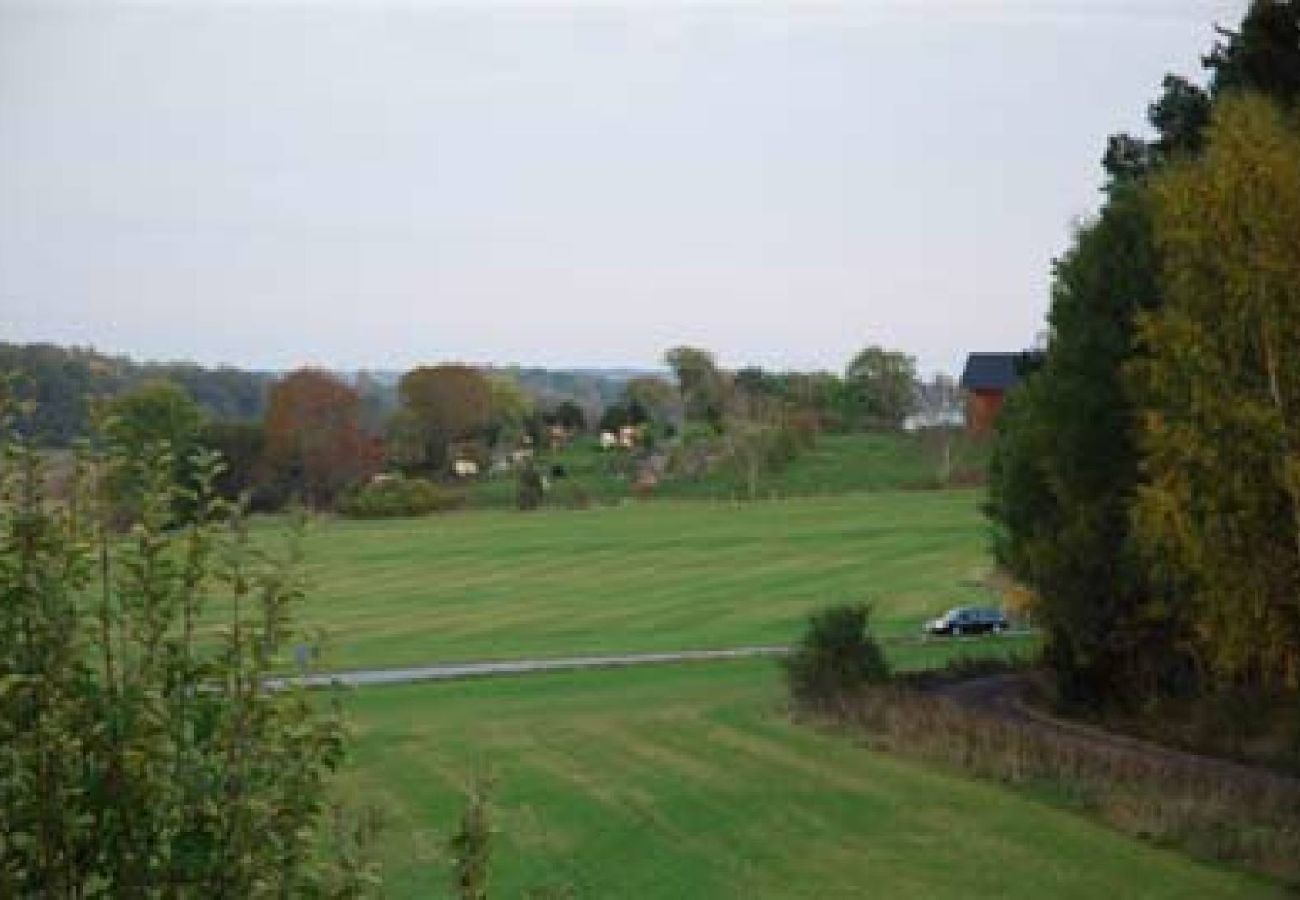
[(986, 379)]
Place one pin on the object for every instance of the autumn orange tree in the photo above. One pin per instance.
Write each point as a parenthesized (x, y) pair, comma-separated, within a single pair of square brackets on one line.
[(441, 404), (314, 441)]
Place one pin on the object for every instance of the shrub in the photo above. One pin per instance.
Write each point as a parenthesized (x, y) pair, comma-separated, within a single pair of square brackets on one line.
[(396, 496), (531, 488), (836, 657), (140, 756), (471, 845)]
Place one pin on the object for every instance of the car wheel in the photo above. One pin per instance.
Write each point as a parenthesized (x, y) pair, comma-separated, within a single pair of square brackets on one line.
[(998, 629), (956, 631)]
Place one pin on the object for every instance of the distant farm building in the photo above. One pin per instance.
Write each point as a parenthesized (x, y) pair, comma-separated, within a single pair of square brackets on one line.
[(627, 438), (939, 418), (986, 379), (558, 436)]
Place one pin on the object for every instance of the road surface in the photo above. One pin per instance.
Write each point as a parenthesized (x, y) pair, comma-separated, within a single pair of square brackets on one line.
[(449, 671)]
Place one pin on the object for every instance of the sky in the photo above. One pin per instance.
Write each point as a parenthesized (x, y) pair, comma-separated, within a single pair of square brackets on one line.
[(381, 184)]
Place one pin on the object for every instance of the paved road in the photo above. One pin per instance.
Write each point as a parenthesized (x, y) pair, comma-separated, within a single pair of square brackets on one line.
[(446, 672), (449, 671)]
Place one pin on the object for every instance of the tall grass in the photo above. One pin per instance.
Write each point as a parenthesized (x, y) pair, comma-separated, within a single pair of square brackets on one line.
[(1207, 808)]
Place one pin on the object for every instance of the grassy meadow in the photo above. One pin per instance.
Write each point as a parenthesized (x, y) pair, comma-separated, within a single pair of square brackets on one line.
[(686, 780), (638, 577), (691, 781), (837, 464)]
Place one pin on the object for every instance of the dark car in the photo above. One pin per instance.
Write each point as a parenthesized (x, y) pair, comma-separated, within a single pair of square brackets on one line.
[(968, 620)]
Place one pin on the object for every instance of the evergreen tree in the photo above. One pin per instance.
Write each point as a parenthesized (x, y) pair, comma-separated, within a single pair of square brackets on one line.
[(1065, 467)]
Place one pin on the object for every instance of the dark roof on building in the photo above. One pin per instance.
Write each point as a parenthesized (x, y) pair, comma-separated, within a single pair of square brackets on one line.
[(995, 371)]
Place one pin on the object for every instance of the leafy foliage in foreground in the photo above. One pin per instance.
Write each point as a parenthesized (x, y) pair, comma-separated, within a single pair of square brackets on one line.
[(136, 760)]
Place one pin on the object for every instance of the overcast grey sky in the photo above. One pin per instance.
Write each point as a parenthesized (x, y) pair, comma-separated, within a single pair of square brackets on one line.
[(379, 184)]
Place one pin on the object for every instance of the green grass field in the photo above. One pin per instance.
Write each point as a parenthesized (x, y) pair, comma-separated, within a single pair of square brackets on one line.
[(681, 781), (655, 576), (690, 781), (844, 463), (839, 463)]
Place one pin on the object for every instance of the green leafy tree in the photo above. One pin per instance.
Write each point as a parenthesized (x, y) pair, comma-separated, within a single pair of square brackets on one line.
[(657, 397), (152, 413), (619, 415), (751, 445), (703, 386), (760, 436), (882, 385), (242, 446), (567, 414), (757, 381), (822, 393), (442, 404), (511, 407), (63, 384), (138, 758), (1220, 385), (156, 415)]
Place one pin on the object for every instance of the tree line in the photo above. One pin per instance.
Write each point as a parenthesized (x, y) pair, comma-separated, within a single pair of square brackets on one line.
[(1146, 478), (314, 434), (61, 383)]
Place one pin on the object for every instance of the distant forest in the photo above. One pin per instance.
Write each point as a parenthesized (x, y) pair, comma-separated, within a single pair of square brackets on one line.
[(64, 381)]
